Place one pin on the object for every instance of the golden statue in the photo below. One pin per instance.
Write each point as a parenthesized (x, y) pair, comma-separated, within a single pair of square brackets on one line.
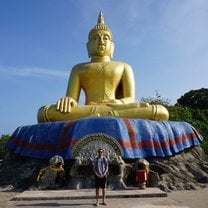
[(109, 86)]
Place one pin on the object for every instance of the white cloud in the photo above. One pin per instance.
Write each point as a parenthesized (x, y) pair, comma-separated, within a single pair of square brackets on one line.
[(7, 71)]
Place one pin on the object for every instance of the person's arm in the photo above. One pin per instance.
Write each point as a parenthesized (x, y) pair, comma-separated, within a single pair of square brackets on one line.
[(106, 171), (106, 167), (95, 171)]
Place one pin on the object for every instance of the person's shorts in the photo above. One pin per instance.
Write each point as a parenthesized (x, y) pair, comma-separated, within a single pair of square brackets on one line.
[(100, 182)]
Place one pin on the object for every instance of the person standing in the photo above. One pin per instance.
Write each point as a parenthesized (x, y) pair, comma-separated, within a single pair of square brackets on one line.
[(100, 169)]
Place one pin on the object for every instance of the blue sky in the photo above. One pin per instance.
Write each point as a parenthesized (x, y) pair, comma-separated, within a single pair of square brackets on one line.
[(165, 42)]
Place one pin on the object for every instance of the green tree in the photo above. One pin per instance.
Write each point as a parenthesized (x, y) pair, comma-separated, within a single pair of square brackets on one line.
[(195, 114), (195, 99), (196, 117), (3, 149), (158, 99), (195, 111)]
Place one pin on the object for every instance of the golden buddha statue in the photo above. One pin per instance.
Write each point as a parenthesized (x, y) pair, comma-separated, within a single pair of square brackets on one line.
[(109, 86)]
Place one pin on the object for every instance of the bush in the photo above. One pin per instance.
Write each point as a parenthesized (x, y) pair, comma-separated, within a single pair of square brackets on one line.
[(3, 149), (195, 99), (196, 117)]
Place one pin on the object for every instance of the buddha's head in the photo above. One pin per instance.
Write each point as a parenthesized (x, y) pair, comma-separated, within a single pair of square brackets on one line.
[(100, 43)]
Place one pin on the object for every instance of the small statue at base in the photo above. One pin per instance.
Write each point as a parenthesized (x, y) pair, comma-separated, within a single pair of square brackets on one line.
[(116, 181), (47, 176), (75, 177), (109, 86)]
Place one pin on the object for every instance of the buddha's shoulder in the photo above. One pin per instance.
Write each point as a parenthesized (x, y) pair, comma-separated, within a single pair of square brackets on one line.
[(80, 66), (85, 65), (120, 63), (123, 65)]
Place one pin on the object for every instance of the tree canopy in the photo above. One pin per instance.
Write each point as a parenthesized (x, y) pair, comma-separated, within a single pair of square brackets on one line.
[(192, 107), (195, 99), (3, 150)]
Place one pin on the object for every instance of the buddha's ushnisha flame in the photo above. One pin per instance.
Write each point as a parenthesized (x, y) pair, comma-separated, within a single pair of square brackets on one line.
[(100, 26)]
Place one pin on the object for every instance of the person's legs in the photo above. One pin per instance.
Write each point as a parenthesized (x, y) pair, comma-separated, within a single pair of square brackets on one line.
[(97, 185), (97, 196), (100, 182), (104, 195), (103, 186)]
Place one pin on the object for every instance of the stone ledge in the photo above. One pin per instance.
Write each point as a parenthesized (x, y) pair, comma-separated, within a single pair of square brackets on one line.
[(87, 194)]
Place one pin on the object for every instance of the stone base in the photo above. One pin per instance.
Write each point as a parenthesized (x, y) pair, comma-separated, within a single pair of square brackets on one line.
[(187, 170)]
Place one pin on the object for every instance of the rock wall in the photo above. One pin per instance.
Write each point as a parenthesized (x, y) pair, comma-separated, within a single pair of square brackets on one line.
[(185, 170)]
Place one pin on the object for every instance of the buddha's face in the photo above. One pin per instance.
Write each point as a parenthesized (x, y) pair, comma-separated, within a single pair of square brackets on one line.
[(100, 44)]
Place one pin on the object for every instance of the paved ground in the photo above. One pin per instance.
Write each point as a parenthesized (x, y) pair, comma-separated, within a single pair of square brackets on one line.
[(178, 199)]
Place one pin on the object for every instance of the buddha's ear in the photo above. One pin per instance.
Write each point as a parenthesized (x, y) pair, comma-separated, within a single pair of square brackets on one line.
[(112, 49), (88, 50)]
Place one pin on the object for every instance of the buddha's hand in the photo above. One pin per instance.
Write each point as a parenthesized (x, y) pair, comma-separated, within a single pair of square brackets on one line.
[(65, 104)]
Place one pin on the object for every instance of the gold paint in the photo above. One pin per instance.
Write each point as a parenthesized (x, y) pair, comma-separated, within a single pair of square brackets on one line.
[(109, 86), (41, 172)]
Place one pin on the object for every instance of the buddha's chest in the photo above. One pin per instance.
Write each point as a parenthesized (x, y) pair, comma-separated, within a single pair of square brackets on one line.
[(100, 74)]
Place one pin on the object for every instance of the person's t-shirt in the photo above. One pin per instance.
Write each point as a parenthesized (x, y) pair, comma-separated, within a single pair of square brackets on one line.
[(100, 165)]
